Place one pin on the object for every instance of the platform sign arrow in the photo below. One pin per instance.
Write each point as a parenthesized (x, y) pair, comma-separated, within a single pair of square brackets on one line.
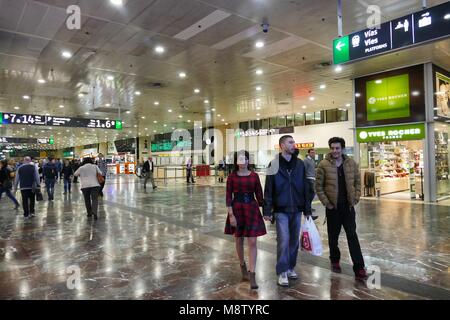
[(341, 51)]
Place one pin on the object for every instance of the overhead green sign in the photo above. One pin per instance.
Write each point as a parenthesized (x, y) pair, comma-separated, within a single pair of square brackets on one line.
[(51, 140), (1, 118), (118, 124), (391, 133), (388, 98), (341, 51)]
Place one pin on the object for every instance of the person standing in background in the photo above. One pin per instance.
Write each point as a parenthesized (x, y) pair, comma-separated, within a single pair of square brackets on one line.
[(189, 175), (28, 178), (310, 169), (75, 166), (67, 173), (50, 173), (148, 170), (59, 168), (103, 166)]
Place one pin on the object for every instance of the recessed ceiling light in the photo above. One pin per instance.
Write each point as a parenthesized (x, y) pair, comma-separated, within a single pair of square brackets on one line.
[(154, 130), (145, 128), (303, 107), (357, 94), (86, 113), (196, 90), (189, 121), (138, 93), (159, 49), (223, 119), (128, 111), (322, 86), (135, 125), (258, 100), (447, 16), (259, 44), (143, 117), (80, 95), (108, 105), (156, 103), (415, 93), (66, 54), (110, 77), (61, 106), (180, 116), (258, 88), (17, 108), (182, 75), (26, 97), (170, 110), (348, 105), (155, 121), (258, 108), (213, 109), (165, 125), (219, 115), (173, 128), (259, 72), (206, 101), (42, 81), (258, 114), (312, 98), (116, 2), (338, 69)]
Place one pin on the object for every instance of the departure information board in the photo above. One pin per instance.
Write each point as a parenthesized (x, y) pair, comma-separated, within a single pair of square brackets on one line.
[(53, 121), (427, 25)]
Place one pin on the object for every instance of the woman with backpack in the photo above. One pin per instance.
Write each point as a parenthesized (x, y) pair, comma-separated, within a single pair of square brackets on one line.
[(6, 182)]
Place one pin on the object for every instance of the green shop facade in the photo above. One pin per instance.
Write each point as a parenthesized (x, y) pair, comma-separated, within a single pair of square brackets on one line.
[(402, 126)]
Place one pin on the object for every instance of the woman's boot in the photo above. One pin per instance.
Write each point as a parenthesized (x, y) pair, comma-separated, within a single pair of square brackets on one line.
[(253, 284), (244, 272)]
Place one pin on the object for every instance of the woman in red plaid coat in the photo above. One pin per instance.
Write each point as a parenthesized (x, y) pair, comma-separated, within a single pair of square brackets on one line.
[(244, 217)]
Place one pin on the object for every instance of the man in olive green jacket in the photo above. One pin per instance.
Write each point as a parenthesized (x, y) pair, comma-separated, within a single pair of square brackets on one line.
[(338, 186)]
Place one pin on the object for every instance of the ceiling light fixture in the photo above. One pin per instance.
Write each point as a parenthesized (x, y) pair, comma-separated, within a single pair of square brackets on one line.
[(348, 105), (170, 110), (259, 72), (259, 44), (66, 54), (26, 97), (156, 103), (138, 93), (213, 109), (338, 69), (42, 81), (303, 107), (17, 108), (258, 88), (357, 94), (108, 105), (128, 111), (116, 2), (159, 49), (312, 98), (206, 101), (110, 77), (182, 75), (61, 106), (447, 16), (322, 86), (196, 90)]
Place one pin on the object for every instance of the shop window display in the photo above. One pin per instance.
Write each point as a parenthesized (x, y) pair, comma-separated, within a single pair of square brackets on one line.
[(441, 137)]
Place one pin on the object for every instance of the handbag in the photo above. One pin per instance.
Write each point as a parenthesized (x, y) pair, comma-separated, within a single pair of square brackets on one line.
[(39, 196), (100, 178)]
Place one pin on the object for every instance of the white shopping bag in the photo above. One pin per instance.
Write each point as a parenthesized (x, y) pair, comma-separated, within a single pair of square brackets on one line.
[(310, 238)]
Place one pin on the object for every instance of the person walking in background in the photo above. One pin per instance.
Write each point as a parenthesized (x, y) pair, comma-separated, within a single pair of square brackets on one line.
[(27, 178), (338, 186), (59, 166), (286, 197), (6, 182), (148, 170), (103, 166), (221, 170), (310, 169), (90, 185), (189, 175), (50, 173), (67, 173), (75, 166), (244, 218)]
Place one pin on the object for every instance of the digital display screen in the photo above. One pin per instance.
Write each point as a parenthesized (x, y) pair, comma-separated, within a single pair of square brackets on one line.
[(38, 120), (391, 97)]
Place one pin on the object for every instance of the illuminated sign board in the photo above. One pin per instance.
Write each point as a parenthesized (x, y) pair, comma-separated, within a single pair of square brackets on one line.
[(427, 25), (38, 120), (391, 133), (307, 145), (263, 132), (26, 140)]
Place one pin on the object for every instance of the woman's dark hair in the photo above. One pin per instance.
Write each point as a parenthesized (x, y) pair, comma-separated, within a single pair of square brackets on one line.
[(87, 160), (236, 155), (337, 140)]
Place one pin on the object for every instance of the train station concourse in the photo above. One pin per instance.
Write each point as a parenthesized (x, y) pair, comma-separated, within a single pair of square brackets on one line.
[(200, 151)]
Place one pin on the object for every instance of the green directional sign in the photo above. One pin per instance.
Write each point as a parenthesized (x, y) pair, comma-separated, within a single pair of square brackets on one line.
[(51, 140), (341, 51), (1, 118), (118, 124), (391, 133)]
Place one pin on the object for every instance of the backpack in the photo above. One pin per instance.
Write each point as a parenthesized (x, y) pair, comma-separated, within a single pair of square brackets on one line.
[(50, 172)]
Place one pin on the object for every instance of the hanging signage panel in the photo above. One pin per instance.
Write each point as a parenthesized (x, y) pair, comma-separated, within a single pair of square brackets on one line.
[(37, 120), (391, 133), (423, 26)]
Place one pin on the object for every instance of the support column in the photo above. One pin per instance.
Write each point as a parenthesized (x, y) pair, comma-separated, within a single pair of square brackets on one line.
[(429, 157), (339, 17)]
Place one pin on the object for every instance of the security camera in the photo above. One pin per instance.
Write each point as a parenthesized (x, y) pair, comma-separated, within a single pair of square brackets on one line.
[(265, 27)]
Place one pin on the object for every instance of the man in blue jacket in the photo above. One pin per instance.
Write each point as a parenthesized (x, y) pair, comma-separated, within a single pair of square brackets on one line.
[(50, 173), (28, 178), (286, 197)]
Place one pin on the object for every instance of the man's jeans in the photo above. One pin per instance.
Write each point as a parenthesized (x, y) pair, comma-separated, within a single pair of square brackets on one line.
[(67, 185), (91, 199), (50, 186), (288, 235), (28, 201), (9, 194)]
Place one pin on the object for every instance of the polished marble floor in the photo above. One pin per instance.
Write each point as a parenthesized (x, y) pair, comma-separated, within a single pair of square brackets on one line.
[(168, 243)]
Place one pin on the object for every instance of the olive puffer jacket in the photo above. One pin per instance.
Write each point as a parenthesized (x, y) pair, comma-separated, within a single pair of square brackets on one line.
[(327, 181)]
